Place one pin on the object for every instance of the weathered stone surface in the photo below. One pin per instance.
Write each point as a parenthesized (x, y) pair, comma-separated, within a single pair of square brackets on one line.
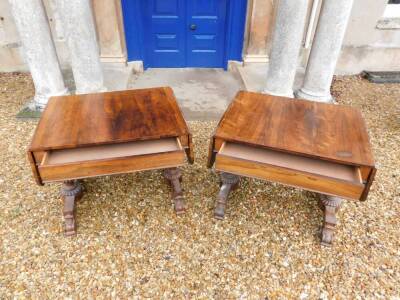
[(111, 39), (325, 50), (81, 39), (260, 20), (39, 50), (286, 43)]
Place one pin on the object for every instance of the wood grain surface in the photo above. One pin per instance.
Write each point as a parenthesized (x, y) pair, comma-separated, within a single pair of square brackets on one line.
[(105, 118), (327, 131), (310, 174), (117, 165)]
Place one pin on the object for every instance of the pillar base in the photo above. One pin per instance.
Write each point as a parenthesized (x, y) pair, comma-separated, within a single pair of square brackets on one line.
[(304, 94), (39, 51), (286, 94), (88, 90), (39, 102)]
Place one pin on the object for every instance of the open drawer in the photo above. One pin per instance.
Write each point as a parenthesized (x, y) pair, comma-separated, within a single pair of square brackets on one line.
[(308, 173), (57, 165)]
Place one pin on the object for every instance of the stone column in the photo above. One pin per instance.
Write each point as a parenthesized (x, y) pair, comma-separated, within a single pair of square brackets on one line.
[(325, 50), (40, 52), (77, 18), (286, 43)]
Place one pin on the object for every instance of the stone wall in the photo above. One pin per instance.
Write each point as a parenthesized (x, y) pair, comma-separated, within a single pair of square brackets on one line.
[(260, 15), (365, 46), (110, 35), (110, 29), (10, 46)]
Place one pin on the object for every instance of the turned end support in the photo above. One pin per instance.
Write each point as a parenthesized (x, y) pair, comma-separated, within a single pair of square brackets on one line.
[(330, 205), (71, 192), (174, 177), (229, 182)]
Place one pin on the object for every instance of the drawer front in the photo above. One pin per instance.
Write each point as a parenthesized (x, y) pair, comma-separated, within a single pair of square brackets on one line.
[(94, 168), (312, 182)]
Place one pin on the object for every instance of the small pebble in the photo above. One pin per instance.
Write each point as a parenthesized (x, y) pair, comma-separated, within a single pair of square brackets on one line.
[(131, 245)]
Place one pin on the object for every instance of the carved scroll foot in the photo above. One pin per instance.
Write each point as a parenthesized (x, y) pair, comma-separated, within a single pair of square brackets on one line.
[(174, 177), (330, 205), (71, 191), (229, 182)]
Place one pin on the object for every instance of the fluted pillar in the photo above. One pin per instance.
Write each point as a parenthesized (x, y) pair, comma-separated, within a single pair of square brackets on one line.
[(78, 21), (325, 50), (286, 43), (39, 50)]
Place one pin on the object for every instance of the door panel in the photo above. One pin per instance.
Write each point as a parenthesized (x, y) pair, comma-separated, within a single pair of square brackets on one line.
[(206, 34), (164, 24), (184, 33)]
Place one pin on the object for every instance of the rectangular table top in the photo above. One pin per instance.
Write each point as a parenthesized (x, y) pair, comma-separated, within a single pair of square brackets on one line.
[(106, 118), (327, 131)]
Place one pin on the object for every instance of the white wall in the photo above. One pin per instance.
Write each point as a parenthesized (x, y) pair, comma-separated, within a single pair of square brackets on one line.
[(11, 56), (366, 47)]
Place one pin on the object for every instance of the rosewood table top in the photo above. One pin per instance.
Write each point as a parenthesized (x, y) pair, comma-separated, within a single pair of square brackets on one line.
[(326, 131), (109, 118)]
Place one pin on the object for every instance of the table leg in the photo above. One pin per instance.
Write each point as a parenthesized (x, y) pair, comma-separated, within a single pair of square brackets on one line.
[(174, 177), (71, 191), (330, 205), (229, 182)]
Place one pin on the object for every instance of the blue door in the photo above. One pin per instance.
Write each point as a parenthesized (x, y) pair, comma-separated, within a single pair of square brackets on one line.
[(206, 34), (164, 33), (184, 33)]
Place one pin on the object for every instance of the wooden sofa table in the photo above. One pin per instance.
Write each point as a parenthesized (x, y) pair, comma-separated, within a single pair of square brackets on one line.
[(82, 136), (315, 146)]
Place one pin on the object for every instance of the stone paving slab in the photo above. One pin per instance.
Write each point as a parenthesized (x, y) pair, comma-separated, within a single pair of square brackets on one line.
[(202, 94)]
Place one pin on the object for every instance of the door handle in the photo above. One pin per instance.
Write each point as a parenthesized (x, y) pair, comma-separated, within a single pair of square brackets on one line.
[(193, 27)]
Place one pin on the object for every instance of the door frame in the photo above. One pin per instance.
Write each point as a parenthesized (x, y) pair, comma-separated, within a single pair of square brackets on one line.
[(234, 27)]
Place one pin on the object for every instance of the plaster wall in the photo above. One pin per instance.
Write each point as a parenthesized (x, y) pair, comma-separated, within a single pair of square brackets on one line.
[(260, 16), (11, 55), (108, 17), (362, 29), (365, 46), (10, 47), (260, 24), (110, 35)]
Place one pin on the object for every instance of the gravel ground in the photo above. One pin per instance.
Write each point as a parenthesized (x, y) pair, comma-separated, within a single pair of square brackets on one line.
[(130, 243)]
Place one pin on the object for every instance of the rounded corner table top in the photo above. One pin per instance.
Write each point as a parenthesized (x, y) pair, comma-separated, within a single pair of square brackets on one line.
[(105, 118), (327, 131)]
